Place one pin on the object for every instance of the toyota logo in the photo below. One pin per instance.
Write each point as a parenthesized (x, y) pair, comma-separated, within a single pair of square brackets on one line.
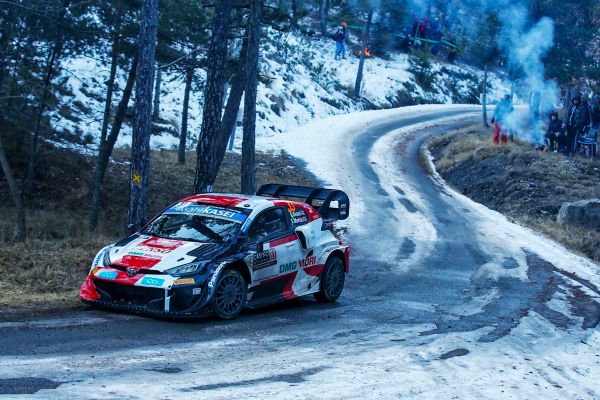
[(131, 271)]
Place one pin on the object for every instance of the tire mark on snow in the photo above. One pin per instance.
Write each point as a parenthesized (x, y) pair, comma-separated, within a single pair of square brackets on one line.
[(292, 378), (517, 298)]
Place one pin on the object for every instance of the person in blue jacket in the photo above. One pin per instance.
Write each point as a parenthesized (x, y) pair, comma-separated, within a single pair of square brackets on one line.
[(340, 46)]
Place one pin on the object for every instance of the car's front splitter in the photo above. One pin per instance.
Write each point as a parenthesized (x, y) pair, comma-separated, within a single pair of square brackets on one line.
[(131, 308)]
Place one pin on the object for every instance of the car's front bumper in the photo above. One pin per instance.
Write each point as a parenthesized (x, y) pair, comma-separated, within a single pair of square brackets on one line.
[(185, 301)]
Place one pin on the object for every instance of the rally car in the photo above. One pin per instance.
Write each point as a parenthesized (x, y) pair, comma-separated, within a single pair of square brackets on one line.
[(219, 253)]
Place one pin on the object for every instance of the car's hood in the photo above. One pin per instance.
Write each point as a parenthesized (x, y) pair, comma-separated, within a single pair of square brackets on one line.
[(150, 252)]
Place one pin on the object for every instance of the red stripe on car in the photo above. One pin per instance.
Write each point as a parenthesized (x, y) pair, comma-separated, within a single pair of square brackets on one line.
[(227, 201), (288, 292), (283, 240), (314, 270), (347, 258), (272, 279)]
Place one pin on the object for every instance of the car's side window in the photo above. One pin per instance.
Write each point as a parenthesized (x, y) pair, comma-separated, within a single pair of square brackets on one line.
[(298, 216), (270, 223)]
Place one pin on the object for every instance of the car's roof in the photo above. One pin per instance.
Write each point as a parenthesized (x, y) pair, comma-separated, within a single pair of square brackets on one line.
[(237, 200)]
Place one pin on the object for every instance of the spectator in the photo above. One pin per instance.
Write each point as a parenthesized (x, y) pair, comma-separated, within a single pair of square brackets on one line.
[(437, 36), (583, 134), (595, 111), (423, 27), (555, 135), (340, 46), (577, 122), (405, 45), (502, 111)]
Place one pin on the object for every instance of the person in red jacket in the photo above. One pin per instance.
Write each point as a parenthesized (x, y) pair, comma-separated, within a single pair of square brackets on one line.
[(502, 111)]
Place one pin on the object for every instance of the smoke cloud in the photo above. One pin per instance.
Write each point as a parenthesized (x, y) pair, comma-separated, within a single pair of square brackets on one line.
[(522, 41)]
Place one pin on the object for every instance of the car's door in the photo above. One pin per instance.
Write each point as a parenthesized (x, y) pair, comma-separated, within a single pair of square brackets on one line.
[(277, 256)]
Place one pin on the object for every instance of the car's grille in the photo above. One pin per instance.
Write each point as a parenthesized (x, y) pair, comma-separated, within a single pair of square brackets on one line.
[(144, 271), (137, 295)]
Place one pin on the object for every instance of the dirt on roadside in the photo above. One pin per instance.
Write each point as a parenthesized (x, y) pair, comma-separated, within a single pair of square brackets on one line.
[(525, 184)]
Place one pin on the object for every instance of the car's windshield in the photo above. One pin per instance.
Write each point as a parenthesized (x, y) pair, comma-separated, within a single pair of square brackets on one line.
[(197, 223)]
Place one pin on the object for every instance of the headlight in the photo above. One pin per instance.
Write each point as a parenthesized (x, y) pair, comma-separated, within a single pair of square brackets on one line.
[(106, 258), (186, 269), (102, 259)]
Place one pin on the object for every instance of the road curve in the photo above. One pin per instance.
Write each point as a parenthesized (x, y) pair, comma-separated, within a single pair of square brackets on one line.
[(445, 298)]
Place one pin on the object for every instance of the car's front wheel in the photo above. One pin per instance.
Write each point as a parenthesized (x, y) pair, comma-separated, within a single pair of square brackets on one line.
[(230, 294), (332, 280)]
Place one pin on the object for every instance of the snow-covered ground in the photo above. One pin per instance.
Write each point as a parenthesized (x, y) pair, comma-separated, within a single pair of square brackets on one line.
[(374, 343), (299, 82), (536, 356)]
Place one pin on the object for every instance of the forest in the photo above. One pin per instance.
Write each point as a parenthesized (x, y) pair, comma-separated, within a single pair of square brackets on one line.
[(214, 49)]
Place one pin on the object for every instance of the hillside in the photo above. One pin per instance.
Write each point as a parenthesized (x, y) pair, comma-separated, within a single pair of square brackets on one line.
[(299, 82)]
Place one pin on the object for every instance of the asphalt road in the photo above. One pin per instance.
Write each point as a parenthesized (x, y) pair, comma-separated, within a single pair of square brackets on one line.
[(438, 293)]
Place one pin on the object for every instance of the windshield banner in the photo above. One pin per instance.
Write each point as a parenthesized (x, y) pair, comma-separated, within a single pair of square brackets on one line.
[(187, 207)]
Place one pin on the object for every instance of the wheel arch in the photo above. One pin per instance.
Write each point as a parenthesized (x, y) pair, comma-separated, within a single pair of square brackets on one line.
[(242, 268), (341, 254)]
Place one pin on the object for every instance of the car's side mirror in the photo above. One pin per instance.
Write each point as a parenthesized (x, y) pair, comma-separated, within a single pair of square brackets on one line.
[(248, 244), (306, 236)]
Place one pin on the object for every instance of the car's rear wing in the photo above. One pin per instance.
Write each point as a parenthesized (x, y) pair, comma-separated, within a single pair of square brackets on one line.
[(331, 204)]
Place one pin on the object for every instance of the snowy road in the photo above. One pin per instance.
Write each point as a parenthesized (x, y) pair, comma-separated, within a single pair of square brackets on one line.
[(446, 299)]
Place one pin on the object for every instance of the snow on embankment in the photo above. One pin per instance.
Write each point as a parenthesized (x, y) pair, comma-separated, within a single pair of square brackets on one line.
[(299, 82), (325, 144)]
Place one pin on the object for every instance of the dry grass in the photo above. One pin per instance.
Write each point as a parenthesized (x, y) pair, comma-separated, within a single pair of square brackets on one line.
[(522, 183), (46, 272)]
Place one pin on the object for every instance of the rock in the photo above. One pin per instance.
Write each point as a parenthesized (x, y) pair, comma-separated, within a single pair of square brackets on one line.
[(585, 213)]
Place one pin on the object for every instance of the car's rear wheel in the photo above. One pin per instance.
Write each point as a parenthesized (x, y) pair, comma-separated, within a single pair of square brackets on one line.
[(230, 294), (332, 280)]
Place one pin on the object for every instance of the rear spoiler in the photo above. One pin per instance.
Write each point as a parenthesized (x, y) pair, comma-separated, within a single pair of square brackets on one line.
[(331, 204)]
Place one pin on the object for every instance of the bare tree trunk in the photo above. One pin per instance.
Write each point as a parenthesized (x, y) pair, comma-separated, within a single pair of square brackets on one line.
[(14, 192), (156, 102), (294, 10), (142, 123), (107, 146), (114, 61), (249, 125), (206, 154), (232, 107), (323, 11), (364, 46), (5, 33), (484, 97), (568, 98), (184, 116), (50, 66)]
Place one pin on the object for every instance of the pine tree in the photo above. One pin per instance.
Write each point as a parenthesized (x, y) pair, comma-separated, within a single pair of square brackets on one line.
[(142, 124), (206, 157), (183, 36), (189, 78), (119, 19), (7, 30), (248, 145), (364, 45)]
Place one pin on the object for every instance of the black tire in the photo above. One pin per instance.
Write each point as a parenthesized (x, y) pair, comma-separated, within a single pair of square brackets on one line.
[(230, 294), (332, 280)]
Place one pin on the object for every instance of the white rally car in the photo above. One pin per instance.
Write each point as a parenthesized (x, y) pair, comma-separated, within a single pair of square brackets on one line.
[(219, 253)]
